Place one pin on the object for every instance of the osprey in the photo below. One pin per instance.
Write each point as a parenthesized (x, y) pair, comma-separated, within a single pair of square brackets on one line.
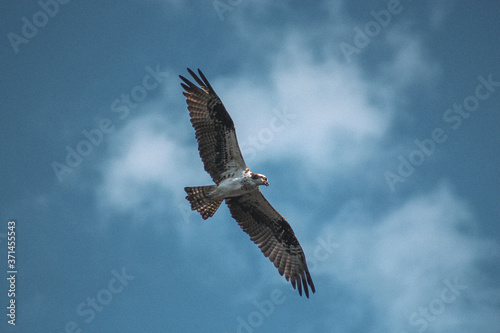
[(238, 186)]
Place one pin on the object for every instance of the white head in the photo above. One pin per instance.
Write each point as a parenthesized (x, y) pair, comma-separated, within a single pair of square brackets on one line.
[(260, 179)]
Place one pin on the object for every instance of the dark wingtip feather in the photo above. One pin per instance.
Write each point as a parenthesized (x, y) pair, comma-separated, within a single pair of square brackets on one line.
[(304, 282), (187, 82), (299, 286), (196, 78), (310, 281), (207, 84), (191, 72)]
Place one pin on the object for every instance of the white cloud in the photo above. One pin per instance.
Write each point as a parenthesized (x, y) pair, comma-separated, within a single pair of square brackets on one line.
[(400, 261), (341, 115), (332, 125), (145, 155)]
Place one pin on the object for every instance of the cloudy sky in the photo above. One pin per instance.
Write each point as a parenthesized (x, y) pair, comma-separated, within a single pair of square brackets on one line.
[(376, 122)]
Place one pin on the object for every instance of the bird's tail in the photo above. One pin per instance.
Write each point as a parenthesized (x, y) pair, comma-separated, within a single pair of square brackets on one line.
[(199, 199)]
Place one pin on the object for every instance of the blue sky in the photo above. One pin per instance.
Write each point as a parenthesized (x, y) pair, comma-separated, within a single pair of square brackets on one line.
[(376, 123)]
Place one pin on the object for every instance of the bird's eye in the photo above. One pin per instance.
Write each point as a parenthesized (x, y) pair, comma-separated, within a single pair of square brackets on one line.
[(265, 179)]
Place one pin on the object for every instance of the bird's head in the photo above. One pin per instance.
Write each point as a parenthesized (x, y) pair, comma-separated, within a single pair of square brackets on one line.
[(260, 179)]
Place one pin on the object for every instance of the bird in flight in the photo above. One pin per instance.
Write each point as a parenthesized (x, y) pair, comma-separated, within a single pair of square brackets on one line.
[(238, 186)]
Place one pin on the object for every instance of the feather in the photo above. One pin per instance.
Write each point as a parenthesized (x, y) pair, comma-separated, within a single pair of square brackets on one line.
[(253, 212)]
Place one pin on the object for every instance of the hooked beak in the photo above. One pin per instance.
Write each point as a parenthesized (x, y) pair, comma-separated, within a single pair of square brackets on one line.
[(266, 183)]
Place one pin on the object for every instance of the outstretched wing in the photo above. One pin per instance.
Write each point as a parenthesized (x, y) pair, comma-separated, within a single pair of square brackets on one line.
[(214, 129), (274, 236)]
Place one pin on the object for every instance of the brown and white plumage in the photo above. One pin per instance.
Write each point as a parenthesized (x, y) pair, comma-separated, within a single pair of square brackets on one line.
[(238, 186), (274, 236), (217, 143)]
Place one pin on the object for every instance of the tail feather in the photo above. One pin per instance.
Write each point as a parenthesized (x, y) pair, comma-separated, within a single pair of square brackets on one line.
[(198, 197)]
